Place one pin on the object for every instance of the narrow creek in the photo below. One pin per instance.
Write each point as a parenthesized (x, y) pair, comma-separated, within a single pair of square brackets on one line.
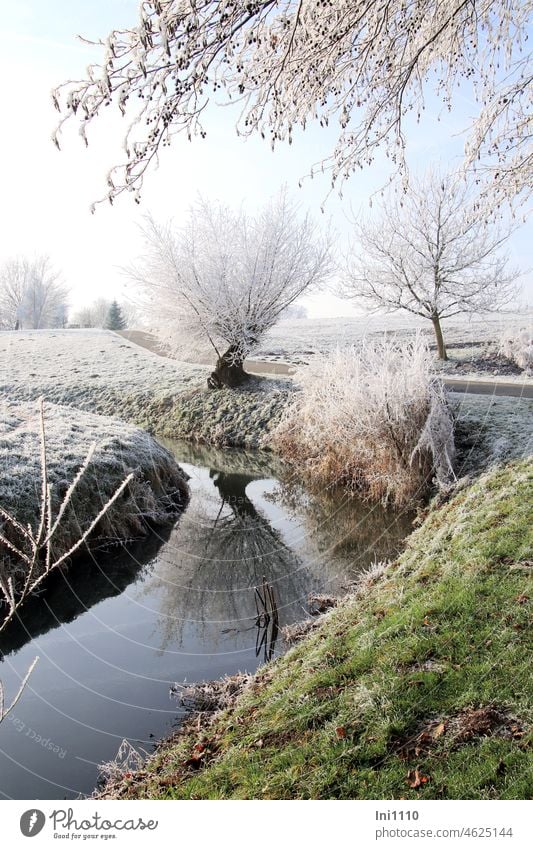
[(115, 632)]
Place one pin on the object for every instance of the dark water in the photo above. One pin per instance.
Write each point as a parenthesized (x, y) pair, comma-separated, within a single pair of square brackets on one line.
[(114, 633)]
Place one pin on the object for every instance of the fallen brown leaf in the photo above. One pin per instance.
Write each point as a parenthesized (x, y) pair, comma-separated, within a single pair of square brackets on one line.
[(415, 779)]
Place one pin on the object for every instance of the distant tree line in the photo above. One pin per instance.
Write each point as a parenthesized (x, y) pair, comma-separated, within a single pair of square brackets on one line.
[(32, 295), (110, 315)]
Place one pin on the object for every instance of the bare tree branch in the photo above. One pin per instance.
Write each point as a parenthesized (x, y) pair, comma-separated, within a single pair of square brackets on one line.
[(366, 65)]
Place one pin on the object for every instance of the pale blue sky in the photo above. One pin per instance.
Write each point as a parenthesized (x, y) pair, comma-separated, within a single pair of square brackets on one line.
[(46, 194)]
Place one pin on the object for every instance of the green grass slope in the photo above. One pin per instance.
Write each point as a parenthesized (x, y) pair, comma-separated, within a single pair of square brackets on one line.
[(417, 689)]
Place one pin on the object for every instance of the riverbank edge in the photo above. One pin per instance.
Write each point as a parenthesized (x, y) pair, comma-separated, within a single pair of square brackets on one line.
[(416, 688), (156, 495), (240, 418)]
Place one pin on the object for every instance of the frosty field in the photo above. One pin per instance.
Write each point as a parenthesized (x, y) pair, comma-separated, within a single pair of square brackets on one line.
[(490, 430), (94, 370), (99, 371), (295, 341)]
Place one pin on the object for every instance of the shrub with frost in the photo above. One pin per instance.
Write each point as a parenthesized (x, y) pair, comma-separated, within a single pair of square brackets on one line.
[(518, 346), (372, 419)]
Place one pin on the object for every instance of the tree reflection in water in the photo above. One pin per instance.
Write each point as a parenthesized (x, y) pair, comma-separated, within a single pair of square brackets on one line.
[(267, 621), (340, 530), (245, 523), (217, 556)]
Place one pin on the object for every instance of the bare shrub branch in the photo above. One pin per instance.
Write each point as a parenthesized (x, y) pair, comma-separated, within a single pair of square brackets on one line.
[(518, 346), (34, 555), (5, 710)]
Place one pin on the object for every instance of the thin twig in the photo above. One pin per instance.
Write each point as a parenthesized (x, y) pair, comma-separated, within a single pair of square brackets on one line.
[(4, 712)]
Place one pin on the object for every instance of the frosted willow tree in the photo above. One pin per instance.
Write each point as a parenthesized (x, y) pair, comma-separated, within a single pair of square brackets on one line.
[(225, 278), (287, 63), (430, 253)]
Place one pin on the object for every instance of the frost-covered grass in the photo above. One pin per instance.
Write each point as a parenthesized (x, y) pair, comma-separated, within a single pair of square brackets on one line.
[(243, 418), (155, 494), (416, 689), (297, 340), (490, 431), (94, 370), (102, 372), (99, 371), (370, 418)]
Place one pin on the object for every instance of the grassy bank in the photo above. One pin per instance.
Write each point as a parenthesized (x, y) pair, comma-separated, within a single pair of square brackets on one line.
[(155, 495), (417, 688)]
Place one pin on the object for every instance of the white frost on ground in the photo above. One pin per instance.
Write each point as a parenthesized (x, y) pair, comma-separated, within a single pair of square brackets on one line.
[(295, 340), (492, 429), (121, 449), (90, 369), (100, 371)]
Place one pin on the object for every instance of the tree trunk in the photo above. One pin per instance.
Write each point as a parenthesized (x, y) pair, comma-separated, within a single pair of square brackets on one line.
[(228, 371), (439, 337)]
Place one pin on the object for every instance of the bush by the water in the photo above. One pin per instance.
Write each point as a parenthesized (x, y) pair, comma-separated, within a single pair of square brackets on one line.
[(373, 419)]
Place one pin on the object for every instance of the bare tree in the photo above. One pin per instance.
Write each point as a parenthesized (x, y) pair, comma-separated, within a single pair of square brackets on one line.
[(224, 278), (84, 317), (430, 253), (366, 65), (93, 315), (32, 294), (14, 280)]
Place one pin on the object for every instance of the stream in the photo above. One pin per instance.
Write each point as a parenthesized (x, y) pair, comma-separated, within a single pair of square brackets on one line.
[(116, 631)]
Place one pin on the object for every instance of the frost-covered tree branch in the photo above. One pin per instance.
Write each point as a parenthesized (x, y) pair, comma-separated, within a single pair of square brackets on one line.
[(430, 252), (365, 65), (225, 278)]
